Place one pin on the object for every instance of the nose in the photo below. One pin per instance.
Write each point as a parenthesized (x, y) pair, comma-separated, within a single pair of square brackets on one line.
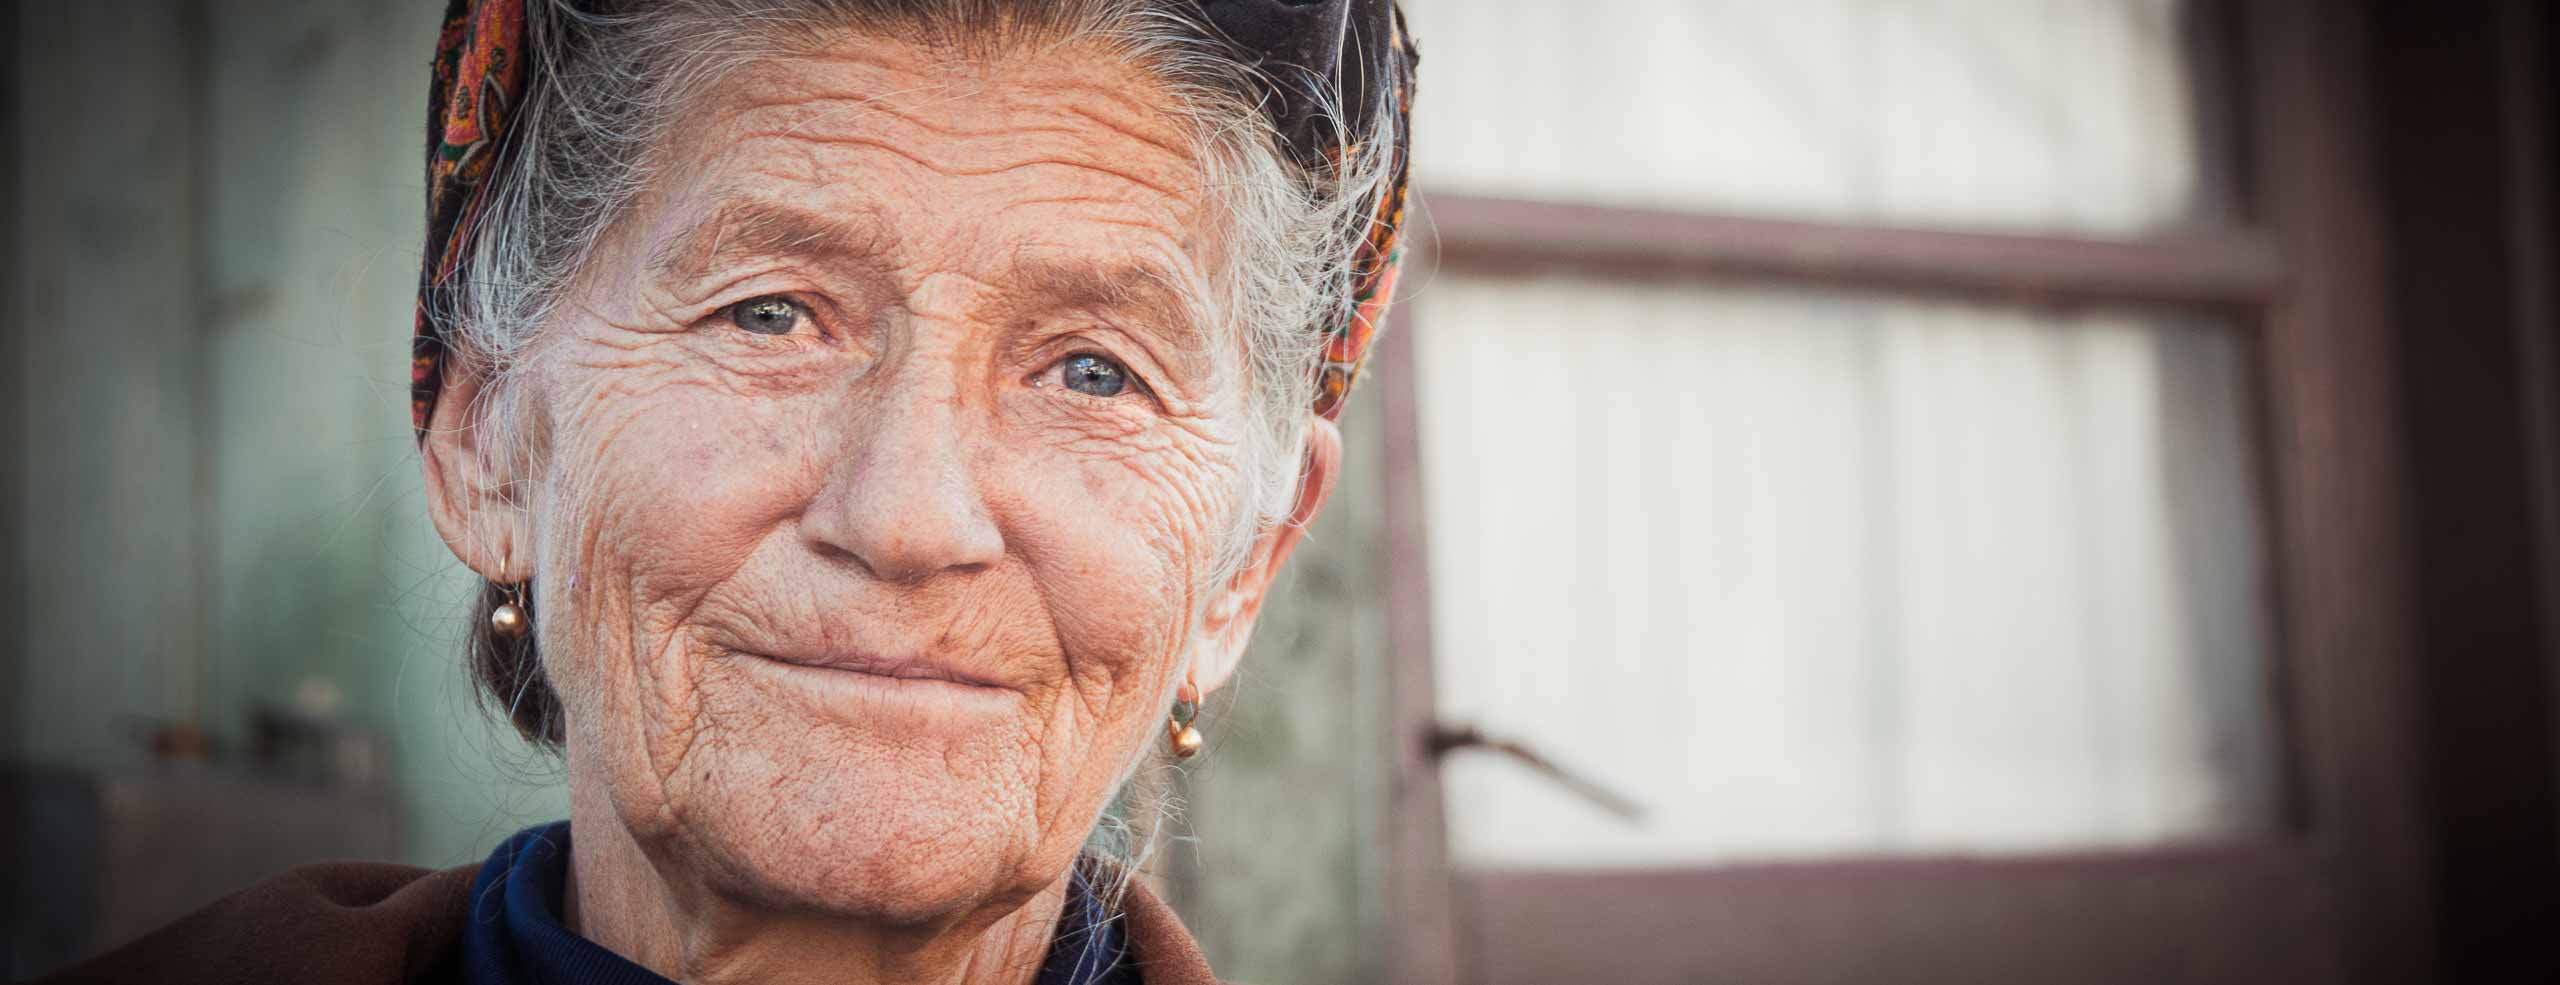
[(902, 502)]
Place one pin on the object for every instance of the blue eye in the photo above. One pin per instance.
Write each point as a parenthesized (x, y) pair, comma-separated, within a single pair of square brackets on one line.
[(771, 314), (1095, 375)]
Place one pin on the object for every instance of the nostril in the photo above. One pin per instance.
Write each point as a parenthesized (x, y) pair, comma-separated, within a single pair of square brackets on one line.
[(835, 552), (826, 536)]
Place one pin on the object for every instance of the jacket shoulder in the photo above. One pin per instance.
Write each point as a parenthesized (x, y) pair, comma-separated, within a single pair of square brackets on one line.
[(1164, 950), (358, 923)]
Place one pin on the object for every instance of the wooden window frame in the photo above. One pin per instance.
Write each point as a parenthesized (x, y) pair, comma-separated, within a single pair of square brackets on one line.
[(2337, 893)]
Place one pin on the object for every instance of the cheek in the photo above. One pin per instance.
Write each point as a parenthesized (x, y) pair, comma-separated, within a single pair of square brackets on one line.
[(664, 484), (1119, 538), (1115, 545), (678, 476)]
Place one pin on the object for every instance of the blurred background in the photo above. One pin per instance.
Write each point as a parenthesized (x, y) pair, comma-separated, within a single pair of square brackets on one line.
[(1855, 490)]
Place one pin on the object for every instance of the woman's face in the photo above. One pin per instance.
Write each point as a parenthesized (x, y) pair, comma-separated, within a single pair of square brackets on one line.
[(883, 465)]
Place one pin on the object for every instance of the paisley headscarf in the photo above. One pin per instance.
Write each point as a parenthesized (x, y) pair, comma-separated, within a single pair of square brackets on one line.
[(1357, 50)]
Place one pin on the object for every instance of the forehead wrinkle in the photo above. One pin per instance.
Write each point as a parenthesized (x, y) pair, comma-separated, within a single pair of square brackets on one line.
[(1131, 130), (1029, 64), (1010, 129), (1034, 105), (1129, 121), (953, 159)]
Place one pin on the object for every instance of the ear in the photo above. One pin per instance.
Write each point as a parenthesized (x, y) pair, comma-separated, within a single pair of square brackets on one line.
[(470, 485), (1228, 624)]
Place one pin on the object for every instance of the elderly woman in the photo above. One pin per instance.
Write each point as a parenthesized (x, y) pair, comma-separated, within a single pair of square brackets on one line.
[(878, 423)]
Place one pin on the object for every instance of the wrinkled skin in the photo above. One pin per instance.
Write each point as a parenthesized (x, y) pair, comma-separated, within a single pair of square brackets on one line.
[(859, 624)]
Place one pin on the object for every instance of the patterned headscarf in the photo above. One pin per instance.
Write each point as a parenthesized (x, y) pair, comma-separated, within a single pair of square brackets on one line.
[(1357, 49)]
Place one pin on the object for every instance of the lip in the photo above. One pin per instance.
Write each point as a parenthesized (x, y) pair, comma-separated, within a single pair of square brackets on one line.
[(900, 670)]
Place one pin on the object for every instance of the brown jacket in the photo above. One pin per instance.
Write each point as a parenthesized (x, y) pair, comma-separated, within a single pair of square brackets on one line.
[(368, 923)]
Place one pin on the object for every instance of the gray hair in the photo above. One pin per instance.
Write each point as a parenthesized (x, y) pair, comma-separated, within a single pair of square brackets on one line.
[(616, 76)]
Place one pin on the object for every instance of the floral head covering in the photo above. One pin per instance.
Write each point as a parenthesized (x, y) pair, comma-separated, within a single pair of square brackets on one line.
[(1356, 52)]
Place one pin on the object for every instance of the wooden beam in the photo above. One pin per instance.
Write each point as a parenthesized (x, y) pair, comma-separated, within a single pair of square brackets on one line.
[(1420, 907), (2348, 668), (2460, 278), (2526, 90), (2218, 267)]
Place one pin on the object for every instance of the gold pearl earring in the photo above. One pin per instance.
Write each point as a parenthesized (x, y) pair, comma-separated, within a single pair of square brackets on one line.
[(509, 619), (1178, 732)]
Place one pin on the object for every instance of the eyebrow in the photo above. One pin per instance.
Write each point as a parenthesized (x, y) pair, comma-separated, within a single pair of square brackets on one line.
[(765, 229)]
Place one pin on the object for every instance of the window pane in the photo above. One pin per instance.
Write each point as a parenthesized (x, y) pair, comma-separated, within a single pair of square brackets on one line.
[(2061, 114), (1813, 574)]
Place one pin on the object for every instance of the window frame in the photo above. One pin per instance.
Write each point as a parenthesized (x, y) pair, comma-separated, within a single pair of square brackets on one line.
[(2336, 893)]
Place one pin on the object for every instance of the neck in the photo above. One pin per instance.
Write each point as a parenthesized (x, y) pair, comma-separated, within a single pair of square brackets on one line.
[(680, 928)]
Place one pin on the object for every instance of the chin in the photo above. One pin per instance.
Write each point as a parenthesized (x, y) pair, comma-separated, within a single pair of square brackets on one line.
[(835, 817)]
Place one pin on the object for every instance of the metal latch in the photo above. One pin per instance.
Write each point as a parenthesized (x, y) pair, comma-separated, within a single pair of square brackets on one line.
[(1446, 738)]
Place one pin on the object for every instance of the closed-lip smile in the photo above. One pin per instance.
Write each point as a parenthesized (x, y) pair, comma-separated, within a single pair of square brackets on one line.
[(869, 665)]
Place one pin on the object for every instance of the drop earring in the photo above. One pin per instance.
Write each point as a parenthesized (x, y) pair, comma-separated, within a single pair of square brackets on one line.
[(510, 619), (1178, 731)]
